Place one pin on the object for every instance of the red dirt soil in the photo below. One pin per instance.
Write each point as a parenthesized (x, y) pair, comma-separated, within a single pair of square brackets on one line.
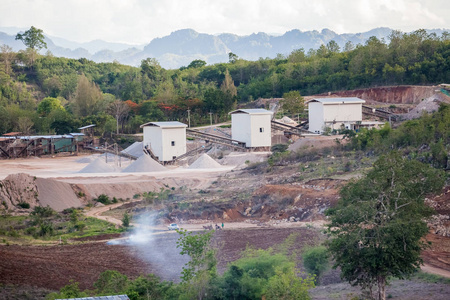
[(53, 266)]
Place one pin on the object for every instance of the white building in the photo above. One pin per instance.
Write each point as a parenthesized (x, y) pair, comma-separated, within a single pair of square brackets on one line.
[(167, 140), (252, 126), (334, 113)]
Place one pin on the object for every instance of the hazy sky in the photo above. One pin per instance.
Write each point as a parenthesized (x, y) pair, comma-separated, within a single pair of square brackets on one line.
[(140, 21)]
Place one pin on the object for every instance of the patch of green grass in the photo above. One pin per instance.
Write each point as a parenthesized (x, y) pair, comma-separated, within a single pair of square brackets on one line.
[(20, 229), (430, 278)]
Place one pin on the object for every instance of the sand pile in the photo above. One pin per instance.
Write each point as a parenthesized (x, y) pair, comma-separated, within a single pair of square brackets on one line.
[(205, 162), (136, 149), (144, 164), (98, 166)]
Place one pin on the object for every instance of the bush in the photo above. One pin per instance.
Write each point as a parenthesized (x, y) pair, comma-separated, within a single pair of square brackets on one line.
[(126, 220), (279, 148), (43, 212), (103, 199), (24, 205), (315, 260)]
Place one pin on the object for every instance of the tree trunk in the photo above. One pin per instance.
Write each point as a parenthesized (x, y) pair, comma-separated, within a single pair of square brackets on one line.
[(381, 287)]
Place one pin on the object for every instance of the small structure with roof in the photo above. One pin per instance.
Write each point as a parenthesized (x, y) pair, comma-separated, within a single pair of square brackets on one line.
[(334, 113), (165, 140), (252, 126)]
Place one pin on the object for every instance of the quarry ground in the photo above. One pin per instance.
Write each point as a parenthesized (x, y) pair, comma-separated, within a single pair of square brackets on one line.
[(266, 208)]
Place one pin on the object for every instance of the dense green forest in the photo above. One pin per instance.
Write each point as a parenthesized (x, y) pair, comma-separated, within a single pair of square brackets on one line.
[(46, 94)]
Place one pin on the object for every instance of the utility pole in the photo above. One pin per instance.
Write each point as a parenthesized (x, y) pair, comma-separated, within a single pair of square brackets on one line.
[(189, 118), (210, 120)]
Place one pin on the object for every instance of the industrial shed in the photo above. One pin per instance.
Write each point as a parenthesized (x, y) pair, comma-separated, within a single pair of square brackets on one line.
[(13, 145), (252, 126), (334, 113), (166, 140)]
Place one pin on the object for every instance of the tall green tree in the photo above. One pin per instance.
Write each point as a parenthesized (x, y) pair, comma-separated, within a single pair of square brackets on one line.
[(292, 103), (48, 104), (198, 272), (378, 224), (33, 38), (87, 96)]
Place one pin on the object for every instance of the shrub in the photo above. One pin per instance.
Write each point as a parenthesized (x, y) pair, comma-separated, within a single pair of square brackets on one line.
[(103, 199), (24, 205), (315, 260), (126, 220), (279, 148)]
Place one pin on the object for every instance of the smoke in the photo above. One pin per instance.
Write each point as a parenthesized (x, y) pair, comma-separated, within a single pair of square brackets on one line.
[(156, 247)]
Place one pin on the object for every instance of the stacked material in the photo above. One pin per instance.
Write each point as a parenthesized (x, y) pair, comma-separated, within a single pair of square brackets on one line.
[(205, 162), (98, 166), (144, 164), (136, 149)]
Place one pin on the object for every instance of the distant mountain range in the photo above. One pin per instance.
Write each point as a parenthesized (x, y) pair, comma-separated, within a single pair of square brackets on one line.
[(183, 46)]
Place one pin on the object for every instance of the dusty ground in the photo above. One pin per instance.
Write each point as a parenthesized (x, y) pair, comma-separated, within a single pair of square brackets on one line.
[(84, 262), (159, 255)]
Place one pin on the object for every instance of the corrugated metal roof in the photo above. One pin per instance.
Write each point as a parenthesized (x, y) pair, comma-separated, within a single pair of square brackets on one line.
[(12, 133), (33, 137), (171, 124), (87, 126), (76, 134), (114, 297), (252, 111), (344, 100)]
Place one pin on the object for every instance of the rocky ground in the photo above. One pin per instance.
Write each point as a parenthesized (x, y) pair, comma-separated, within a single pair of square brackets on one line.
[(260, 205)]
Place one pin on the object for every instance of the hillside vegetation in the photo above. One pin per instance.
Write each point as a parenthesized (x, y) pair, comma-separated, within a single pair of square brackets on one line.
[(46, 94)]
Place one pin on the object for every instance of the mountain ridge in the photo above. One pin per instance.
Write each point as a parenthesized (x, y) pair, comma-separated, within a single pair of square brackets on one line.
[(185, 45)]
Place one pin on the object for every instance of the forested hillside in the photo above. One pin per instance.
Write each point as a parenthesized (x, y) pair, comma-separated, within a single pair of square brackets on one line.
[(46, 94)]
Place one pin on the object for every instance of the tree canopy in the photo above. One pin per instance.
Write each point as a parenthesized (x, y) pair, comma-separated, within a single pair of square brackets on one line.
[(378, 225), (33, 38)]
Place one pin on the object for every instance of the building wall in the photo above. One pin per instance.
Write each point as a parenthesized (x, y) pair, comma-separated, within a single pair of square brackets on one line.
[(315, 117), (342, 112), (173, 143), (261, 131), (160, 141), (333, 115), (240, 128), (247, 128), (153, 139)]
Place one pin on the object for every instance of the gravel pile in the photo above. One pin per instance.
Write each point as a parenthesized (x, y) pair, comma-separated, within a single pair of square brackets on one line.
[(240, 159), (430, 104), (98, 166), (136, 149), (205, 162), (144, 164), (87, 159)]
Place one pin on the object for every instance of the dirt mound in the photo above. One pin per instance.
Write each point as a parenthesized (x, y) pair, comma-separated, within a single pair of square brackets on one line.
[(98, 166), (318, 142), (429, 105), (403, 94), (136, 149), (241, 159), (16, 189), (144, 164), (58, 195), (205, 162)]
